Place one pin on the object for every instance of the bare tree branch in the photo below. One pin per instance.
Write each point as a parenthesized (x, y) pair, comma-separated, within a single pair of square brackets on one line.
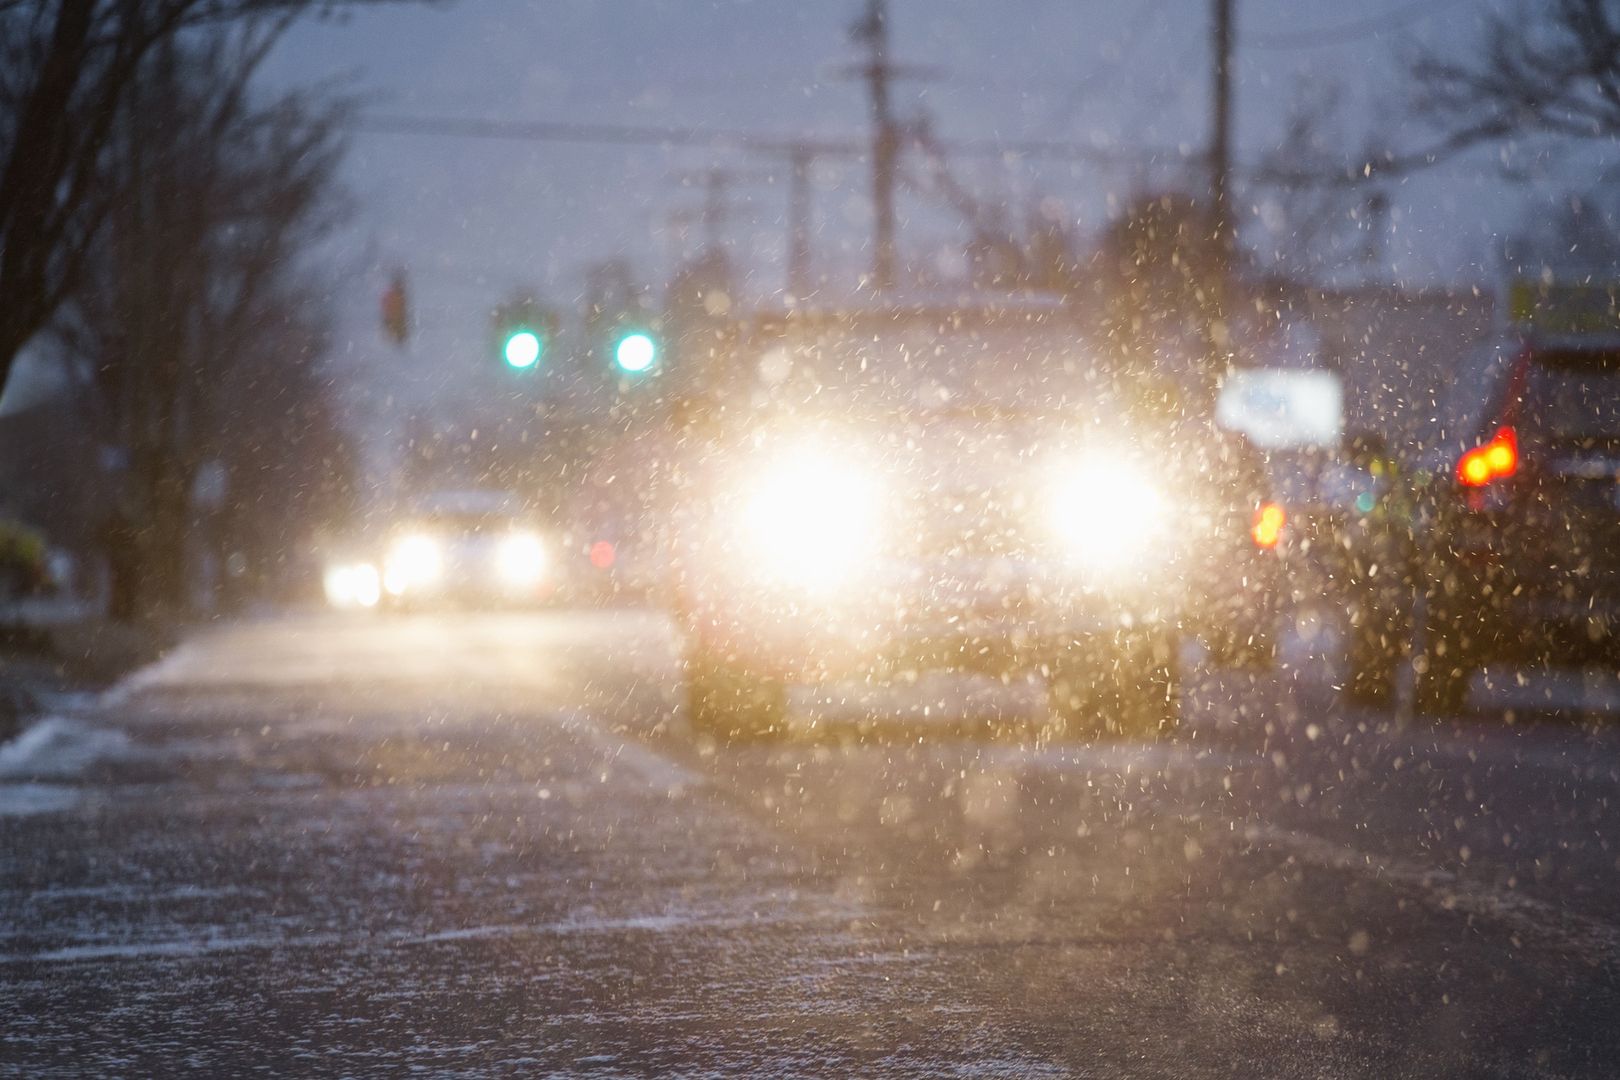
[(66, 68), (1541, 69)]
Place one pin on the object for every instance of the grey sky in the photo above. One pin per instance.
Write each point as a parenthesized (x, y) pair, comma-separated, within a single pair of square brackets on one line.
[(470, 220)]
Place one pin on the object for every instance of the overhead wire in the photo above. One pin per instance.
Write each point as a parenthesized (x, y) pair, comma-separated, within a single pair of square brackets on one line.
[(728, 138), (838, 145), (1355, 30)]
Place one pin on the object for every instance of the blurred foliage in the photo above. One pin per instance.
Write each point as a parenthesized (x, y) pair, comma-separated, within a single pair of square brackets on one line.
[(197, 329), (1535, 69), (1161, 277), (68, 70), (22, 559)]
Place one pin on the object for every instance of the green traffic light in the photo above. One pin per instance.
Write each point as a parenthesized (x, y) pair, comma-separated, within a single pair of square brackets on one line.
[(522, 349), (636, 352)]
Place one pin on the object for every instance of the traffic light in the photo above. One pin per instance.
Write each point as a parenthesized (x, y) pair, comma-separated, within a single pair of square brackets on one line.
[(523, 349), (524, 331), (635, 351), (396, 311)]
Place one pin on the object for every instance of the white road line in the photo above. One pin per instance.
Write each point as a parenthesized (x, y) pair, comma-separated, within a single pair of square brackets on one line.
[(1601, 761), (1152, 757), (662, 922)]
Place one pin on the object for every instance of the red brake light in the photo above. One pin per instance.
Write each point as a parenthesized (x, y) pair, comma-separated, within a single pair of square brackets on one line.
[(1496, 460), (1268, 525)]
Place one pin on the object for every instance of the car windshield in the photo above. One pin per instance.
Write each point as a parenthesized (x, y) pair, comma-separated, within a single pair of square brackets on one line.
[(855, 538)]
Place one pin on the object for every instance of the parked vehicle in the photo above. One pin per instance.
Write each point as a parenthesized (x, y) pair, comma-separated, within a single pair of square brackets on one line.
[(1517, 553)]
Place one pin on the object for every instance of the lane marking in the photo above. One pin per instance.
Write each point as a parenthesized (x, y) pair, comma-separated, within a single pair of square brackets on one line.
[(1152, 757), (754, 911)]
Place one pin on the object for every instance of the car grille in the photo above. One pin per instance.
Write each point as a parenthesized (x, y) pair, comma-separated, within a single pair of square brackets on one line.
[(968, 525)]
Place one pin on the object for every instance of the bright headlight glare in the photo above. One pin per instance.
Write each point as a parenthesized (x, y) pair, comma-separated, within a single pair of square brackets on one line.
[(811, 519), (412, 562), (521, 559), (1107, 513), (352, 585)]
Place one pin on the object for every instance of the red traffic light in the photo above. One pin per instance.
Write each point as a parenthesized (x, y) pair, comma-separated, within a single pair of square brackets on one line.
[(396, 311)]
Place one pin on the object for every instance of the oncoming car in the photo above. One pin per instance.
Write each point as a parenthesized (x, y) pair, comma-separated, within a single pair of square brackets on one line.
[(477, 548), (964, 490)]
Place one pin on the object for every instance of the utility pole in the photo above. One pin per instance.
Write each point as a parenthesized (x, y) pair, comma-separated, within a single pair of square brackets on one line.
[(1217, 340), (873, 31), (716, 182), (1220, 143), (716, 212), (800, 157)]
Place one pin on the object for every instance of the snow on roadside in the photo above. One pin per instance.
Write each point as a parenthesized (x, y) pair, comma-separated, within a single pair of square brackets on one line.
[(58, 748), (22, 800), (39, 767)]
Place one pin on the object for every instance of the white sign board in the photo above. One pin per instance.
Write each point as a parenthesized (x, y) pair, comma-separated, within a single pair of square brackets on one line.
[(1283, 408)]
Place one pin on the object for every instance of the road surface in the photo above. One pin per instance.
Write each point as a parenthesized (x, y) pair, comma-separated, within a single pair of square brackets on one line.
[(488, 845)]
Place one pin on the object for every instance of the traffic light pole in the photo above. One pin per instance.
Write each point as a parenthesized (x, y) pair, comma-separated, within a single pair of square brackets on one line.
[(798, 275), (1216, 331)]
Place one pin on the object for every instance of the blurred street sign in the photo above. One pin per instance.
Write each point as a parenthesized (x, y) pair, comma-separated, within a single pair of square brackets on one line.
[(1280, 408)]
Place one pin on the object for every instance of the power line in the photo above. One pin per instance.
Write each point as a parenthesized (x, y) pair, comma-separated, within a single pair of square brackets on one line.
[(1342, 175), (737, 139), (879, 73), (1220, 126), (1356, 30), (594, 134)]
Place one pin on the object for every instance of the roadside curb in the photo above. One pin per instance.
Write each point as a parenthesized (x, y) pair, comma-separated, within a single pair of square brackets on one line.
[(38, 664), (18, 705)]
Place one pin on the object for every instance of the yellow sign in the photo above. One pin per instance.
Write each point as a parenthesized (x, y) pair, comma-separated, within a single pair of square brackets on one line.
[(1565, 307)]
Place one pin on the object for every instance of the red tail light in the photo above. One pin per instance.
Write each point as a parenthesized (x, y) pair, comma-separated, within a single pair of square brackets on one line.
[(1496, 460), (1268, 525)]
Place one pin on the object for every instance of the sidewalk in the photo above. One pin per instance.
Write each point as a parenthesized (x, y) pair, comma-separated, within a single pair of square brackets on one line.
[(51, 657), (43, 612)]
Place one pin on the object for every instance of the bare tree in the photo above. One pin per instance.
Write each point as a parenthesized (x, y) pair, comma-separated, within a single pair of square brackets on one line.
[(1541, 68), (67, 68), (1308, 222), (1153, 266), (1571, 234), (192, 309)]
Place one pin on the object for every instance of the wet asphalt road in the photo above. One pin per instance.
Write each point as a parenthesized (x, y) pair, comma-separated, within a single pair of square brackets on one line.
[(487, 845)]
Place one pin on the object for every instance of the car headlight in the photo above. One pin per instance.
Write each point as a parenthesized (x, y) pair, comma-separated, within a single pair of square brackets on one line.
[(1107, 513), (810, 519), (414, 561), (520, 560), (352, 585)]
